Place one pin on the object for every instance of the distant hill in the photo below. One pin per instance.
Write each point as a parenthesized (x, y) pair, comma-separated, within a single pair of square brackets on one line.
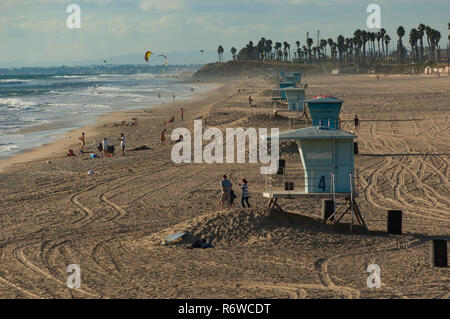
[(251, 68)]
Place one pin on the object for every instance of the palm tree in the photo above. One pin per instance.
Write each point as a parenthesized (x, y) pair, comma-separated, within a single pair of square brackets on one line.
[(340, 46), (372, 37), (334, 51), (220, 51), (297, 43), (309, 42), (233, 52), (400, 49), (413, 38), (289, 50), (436, 39), (387, 39), (269, 49), (349, 48), (357, 41), (420, 34), (378, 36), (278, 50), (364, 38), (261, 47), (330, 43), (383, 34), (323, 46), (429, 33)]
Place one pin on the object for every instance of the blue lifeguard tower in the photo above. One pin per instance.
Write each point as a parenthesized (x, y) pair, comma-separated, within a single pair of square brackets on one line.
[(298, 76), (295, 97), (283, 85), (327, 159), (325, 111), (327, 169)]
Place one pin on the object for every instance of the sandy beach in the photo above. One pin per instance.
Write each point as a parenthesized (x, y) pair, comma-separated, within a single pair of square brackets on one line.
[(54, 214)]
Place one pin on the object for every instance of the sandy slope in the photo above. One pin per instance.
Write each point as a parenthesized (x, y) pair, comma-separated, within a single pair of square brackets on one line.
[(54, 214)]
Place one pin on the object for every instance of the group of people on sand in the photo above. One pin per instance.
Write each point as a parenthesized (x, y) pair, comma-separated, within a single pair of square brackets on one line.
[(103, 147), (171, 120), (228, 195)]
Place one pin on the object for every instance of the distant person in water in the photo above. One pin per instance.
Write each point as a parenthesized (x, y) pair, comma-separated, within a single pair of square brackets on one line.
[(163, 137), (122, 143), (83, 141), (182, 114), (173, 97), (105, 147), (356, 123)]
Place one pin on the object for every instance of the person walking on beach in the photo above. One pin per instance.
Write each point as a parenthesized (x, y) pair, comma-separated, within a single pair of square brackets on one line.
[(245, 193), (250, 101), (163, 137), (83, 141), (182, 114), (226, 185), (356, 122), (173, 97), (105, 147), (122, 143)]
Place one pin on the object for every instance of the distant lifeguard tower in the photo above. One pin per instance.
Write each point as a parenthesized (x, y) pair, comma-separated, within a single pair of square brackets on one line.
[(324, 110), (295, 97), (284, 85), (297, 76)]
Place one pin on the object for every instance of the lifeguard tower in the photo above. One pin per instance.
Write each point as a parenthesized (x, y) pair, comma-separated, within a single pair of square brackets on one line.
[(297, 76), (324, 110), (295, 97), (284, 85), (327, 170)]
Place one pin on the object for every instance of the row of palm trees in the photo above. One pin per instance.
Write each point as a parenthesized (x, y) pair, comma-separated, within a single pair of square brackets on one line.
[(363, 47)]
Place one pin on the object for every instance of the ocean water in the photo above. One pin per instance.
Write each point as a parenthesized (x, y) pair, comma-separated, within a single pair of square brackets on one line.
[(37, 109)]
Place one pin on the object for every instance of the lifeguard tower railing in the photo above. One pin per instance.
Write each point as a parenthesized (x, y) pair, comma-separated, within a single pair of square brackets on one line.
[(312, 182)]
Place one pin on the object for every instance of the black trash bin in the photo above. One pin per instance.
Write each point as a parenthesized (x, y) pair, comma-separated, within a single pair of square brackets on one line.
[(394, 222), (439, 253)]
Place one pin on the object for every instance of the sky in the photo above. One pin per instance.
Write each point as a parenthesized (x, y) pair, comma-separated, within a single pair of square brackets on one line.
[(34, 32)]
